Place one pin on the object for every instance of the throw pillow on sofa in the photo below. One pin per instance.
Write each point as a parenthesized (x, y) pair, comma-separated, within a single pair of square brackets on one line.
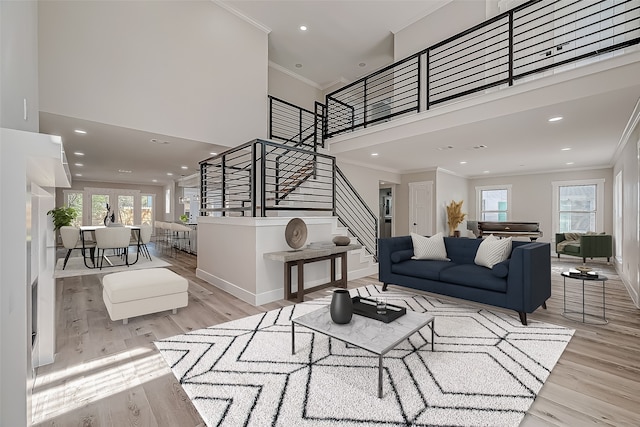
[(493, 251), (429, 247)]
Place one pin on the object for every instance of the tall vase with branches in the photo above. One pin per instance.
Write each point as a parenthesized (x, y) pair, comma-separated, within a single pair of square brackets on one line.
[(454, 216)]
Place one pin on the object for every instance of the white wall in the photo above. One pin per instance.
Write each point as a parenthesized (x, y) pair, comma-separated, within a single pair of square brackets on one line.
[(627, 162), (294, 90), (445, 22), (181, 68), (532, 196), (18, 82), (450, 187), (366, 182), (19, 75)]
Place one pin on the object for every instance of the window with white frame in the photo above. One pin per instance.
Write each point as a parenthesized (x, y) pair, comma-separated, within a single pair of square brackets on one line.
[(146, 209), (494, 203), (578, 206), (74, 199)]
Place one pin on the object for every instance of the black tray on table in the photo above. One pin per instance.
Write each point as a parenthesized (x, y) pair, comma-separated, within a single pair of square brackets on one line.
[(367, 307)]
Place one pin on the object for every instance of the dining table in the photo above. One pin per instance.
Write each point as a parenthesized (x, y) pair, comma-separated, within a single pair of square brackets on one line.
[(84, 229)]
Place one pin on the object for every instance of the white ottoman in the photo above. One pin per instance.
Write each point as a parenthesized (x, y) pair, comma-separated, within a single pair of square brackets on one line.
[(139, 292)]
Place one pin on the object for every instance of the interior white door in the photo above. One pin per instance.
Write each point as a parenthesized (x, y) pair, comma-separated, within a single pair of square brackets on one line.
[(421, 207)]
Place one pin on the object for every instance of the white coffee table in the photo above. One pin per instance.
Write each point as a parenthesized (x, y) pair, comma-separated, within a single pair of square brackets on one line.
[(369, 334)]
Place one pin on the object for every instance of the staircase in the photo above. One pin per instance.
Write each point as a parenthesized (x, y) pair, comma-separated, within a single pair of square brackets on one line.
[(265, 178)]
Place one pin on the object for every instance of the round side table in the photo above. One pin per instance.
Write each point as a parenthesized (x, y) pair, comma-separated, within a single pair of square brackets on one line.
[(583, 316)]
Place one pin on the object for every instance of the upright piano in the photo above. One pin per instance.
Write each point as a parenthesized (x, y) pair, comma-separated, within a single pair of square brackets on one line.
[(510, 229)]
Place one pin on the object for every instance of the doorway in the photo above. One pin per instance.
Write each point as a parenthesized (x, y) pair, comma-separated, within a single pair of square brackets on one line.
[(385, 216), (421, 207)]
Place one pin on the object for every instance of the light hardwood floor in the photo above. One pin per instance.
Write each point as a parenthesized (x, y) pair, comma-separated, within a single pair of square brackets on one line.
[(110, 374)]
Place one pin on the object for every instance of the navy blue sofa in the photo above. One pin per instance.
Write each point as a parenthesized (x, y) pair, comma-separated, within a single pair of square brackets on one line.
[(521, 283)]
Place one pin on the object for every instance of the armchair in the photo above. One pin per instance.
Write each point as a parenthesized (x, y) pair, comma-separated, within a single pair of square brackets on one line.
[(585, 246)]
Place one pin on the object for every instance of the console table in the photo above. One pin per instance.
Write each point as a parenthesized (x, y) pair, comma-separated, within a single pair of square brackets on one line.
[(304, 256)]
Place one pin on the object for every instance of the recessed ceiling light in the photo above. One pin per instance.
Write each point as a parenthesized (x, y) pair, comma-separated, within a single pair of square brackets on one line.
[(463, 162), (566, 149), (78, 174), (154, 180), (569, 163), (446, 147), (298, 65), (169, 174), (79, 164), (303, 28), (362, 64), (555, 119), (80, 131), (479, 147), (374, 154), (157, 141), (78, 153), (184, 167), (124, 171), (485, 171), (213, 154)]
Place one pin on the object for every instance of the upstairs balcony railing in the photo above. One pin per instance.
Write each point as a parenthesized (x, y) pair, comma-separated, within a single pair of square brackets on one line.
[(536, 38), (292, 124)]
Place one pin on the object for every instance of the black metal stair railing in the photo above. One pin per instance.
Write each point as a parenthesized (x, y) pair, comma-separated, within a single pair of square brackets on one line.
[(354, 214), (292, 124), (535, 38), (259, 176)]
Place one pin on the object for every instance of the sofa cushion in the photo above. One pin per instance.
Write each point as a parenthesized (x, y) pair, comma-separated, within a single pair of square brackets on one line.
[(492, 251), (501, 269), (461, 250), (431, 248), (399, 256), (425, 269), (473, 276), (571, 249)]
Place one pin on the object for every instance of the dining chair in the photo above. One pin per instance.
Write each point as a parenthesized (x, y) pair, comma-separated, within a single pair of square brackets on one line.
[(141, 237), (71, 240), (116, 238)]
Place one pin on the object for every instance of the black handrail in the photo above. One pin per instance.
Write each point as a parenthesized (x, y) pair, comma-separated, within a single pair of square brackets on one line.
[(497, 52), (354, 214), (246, 179)]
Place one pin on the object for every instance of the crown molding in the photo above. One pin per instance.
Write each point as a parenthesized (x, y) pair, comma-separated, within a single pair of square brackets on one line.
[(242, 16), (294, 75)]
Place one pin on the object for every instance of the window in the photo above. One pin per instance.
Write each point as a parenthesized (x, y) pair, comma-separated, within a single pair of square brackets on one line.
[(578, 206), (146, 207), (74, 200), (493, 203), (98, 208), (125, 210)]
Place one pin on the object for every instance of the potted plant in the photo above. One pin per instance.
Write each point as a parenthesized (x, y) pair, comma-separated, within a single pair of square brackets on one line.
[(454, 217), (63, 215), (184, 218)]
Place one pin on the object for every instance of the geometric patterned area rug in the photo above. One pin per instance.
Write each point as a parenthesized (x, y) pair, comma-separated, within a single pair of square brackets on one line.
[(487, 369)]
